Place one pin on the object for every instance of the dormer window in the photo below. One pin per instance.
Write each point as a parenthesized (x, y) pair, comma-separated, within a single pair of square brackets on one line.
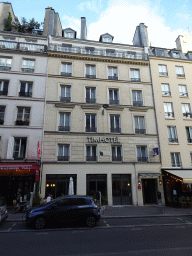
[(69, 33), (106, 38)]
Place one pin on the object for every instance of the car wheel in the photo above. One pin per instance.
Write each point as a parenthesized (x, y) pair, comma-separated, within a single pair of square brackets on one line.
[(39, 222), (90, 221)]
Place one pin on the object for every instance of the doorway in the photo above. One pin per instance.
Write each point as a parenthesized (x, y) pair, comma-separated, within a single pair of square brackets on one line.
[(149, 191)]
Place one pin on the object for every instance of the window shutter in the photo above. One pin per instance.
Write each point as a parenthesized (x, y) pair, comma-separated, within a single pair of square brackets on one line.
[(10, 148)]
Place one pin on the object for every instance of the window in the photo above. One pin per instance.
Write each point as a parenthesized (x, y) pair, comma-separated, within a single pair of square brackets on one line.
[(142, 154), (183, 90), (26, 89), (91, 123), (135, 75), (172, 134), (114, 96), (168, 108), (65, 93), (115, 123), (107, 39), (139, 125), (180, 71), (186, 109), (66, 69), (90, 71), (91, 153), (137, 98), (4, 87), (176, 159), (163, 70), (112, 73), (23, 114), (5, 64), (116, 153), (2, 113), (28, 66), (19, 150), (64, 123), (176, 55), (189, 134), (90, 95), (69, 34), (165, 89), (63, 152)]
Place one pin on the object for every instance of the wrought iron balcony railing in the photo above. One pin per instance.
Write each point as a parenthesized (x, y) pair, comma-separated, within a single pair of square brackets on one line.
[(113, 102), (28, 70), (187, 115), (142, 159), (25, 94), (115, 130), (169, 114), (138, 103), (91, 129), (113, 77), (90, 76), (1, 121), (163, 73), (22, 122), (97, 52), (5, 92), (134, 79), (140, 131), (167, 93), (173, 140), (88, 100), (64, 128), (91, 158), (65, 99), (63, 158), (117, 158), (66, 74), (5, 68), (4, 44)]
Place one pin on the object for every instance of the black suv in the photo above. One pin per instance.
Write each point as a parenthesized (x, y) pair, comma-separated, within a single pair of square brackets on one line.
[(64, 209)]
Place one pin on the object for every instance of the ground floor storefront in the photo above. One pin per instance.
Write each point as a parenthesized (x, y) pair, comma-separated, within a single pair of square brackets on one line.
[(119, 184), (17, 181)]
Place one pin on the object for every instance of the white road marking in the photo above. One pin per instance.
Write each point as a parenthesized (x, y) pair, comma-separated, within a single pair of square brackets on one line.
[(107, 225), (9, 229), (104, 221), (78, 231), (136, 229), (179, 218), (42, 233), (13, 224)]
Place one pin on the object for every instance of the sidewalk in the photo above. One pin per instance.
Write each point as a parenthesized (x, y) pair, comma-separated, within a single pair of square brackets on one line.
[(124, 212)]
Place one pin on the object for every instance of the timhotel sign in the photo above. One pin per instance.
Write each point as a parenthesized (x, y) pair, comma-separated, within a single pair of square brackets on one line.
[(103, 140)]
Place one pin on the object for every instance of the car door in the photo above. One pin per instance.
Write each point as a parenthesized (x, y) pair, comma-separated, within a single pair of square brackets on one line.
[(76, 208)]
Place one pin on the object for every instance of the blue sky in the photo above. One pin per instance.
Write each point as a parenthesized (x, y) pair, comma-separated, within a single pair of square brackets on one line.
[(165, 19)]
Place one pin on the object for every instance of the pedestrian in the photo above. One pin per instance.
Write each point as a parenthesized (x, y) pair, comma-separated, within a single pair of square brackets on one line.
[(48, 198)]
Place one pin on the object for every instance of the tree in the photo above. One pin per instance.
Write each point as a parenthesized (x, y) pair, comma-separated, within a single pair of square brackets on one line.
[(8, 23)]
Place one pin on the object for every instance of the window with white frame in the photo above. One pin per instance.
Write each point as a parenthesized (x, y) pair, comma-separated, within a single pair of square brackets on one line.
[(115, 123), (106, 39), (28, 66), (91, 125), (90, 95), (23, 115), (163, 70), (140, 125), (189, 134), (2, 113), (168, 108), (165, 89), (176, 159), (63, 153), (26, 89), (19, 149), (116, 153), (135, 75), (186, 109), (137, 98), (180, 71), (142, 155), (114, 96), (64, 122), (91, 153), (5, 63), (172, 134), (90, 71), (69, 34), (112, 73), (4, 87), (65, 93), (183, 90), (66, 69)]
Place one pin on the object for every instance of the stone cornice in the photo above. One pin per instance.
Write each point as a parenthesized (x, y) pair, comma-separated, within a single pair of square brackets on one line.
[(140, 109), (65, 105)]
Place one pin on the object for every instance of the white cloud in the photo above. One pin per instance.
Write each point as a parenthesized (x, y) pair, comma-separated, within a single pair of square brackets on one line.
[(121, 18), (72, 23), (90, 5)]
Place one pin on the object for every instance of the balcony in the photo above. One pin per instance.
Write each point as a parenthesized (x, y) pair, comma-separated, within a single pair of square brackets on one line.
[(163, 73), (169, 114), (138, 103), (64, 128), (142, 159), (91, 158), (66, 74), (91, 129), (28, 70), (5, 68), (18, 157), (65, 99), (90, 76), (183, 94), (32, 47), (187, 115), (115, 130), (5, 92), (173, 140), (117, 158), (88, 100), (25, 94), (140, 131), (63, 158), (97, 52), (113, 102), (166, 93), (113, 77), (134, 79), (22, 122)]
